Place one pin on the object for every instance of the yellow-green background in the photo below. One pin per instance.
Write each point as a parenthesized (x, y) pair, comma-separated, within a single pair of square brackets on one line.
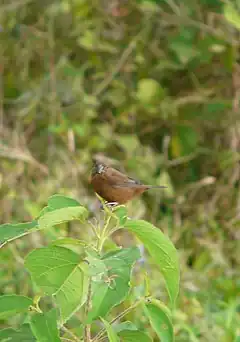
[(155, 86)]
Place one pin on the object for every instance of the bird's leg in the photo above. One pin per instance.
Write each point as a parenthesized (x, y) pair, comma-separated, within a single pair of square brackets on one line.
[(109, 204), (112, 204)]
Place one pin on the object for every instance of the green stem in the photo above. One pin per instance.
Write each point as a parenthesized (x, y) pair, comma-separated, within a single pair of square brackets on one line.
[(102, 332), (87, 329)]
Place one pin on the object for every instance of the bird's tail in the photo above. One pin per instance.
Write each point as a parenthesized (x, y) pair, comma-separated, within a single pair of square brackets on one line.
[(155, 186), (135, 185)]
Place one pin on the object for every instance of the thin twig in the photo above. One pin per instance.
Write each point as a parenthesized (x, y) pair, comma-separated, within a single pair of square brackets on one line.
[(73, 336), (87, 328), (118, 317)]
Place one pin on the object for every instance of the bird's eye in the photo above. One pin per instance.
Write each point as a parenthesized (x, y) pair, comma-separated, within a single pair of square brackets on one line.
[(100, 168)]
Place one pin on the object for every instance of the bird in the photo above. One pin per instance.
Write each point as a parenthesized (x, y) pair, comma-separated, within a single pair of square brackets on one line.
[(114, 186)]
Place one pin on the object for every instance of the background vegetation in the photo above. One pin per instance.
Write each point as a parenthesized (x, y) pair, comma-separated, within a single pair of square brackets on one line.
[(153, 85)]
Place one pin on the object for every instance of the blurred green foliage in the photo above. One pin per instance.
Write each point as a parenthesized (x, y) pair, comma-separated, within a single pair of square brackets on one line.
[(154, 85)]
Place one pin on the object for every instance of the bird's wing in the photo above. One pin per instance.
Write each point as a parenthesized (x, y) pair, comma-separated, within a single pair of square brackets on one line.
[(119, 179)]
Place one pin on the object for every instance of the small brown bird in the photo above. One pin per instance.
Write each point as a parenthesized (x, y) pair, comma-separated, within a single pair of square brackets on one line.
[(114, 186)]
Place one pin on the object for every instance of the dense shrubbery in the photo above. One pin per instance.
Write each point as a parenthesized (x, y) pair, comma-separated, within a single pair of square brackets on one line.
[(153, 85)]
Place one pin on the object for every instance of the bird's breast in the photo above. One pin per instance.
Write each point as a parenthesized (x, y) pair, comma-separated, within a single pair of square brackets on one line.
[(110, 193)]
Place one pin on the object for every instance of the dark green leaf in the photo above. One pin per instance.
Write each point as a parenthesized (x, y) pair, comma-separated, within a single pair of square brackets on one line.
[(162, 251), (9, 232), (13, 304), (160, 320), (24, 334), (112, 288), (44, 326), (231, 14)]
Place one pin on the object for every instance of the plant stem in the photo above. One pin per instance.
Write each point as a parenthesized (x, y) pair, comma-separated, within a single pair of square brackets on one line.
[(73, 336), (87, 329), (102, 332)]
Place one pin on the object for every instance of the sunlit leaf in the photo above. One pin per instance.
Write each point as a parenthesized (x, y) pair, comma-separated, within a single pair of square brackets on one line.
[(13, 304), (60, 201), (160, 319), (162, 251), (9, 232), (112, 336), (58, 216), (57, 271)]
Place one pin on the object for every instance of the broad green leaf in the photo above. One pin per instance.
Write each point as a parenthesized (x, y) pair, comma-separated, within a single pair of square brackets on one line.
[(13, 304), (159, 317), (57, 271), (112, 336), (24, 334), (112, 288), (9, 232), (133, 336), (231, 14), (60, 201), (52, 218), (69, 242), (162, 251), (44, 326)]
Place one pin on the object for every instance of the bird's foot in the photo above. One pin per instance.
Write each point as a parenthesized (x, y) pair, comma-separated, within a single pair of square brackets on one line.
[(112, 204)]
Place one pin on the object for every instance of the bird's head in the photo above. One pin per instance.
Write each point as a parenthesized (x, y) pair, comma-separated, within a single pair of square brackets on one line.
[(98, 167)]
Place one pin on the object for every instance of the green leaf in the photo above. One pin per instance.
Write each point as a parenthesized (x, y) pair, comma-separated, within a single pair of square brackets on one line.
[(44, 326), (133, 336), (187, 139), (58, 216), (162, 251), (121, 212), (112, 336), (113, 286), (60, 201), (97, 266), (127, 325), (24, 334), (231, 14), (128, 332), (57, 271), (13, 304), (159, 317), (9, 232), (69, 242)]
